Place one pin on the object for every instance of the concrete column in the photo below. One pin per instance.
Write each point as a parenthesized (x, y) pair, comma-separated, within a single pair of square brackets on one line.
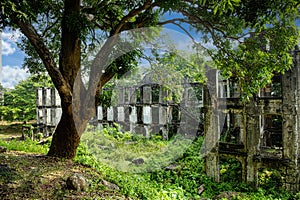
[(132, 95), (110, 114), (121, 94), (121, 114), (0, 60), (147, 95), (211, 126), (252, 140), (291, 114)]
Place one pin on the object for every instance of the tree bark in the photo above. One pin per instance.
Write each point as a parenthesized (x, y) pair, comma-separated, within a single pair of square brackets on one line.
[(66, 137)]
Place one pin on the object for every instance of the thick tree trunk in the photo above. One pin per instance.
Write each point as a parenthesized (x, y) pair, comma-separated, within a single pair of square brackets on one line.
[(69, 129), (65, 138)]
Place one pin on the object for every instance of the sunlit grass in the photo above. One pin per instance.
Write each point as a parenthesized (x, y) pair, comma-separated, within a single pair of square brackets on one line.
[(26, 146), (119, 150)]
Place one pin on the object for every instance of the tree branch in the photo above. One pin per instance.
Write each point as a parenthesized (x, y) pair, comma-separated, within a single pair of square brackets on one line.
[(46, 56), (133, 13), (211, 27), (49, 28)]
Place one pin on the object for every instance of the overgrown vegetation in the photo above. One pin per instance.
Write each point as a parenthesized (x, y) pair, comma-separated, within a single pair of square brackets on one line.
[(132, 152), (184, 178)]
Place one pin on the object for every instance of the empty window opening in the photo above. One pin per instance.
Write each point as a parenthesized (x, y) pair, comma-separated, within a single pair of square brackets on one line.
[(126, 95), (231, 131), (273, 89), (194, 95), (139, 94), (271, 131), (155, 90), (271, 136)]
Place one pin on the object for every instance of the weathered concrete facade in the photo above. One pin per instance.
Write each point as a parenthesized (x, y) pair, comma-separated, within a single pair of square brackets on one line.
[(48, 110), (148, 109), (263, 133)]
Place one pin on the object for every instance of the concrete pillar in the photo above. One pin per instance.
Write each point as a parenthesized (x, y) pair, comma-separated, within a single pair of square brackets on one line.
[(132, 95), (147, 94), (0, 61), (48, 97), (121, 114), (110, 114), (291, 114), (121, 94), (155, 114), (211, 127), (252, 140), (133, 118), (100, 113), (39, 97)]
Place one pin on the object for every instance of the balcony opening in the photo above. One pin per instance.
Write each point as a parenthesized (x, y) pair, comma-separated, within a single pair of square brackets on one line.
[(273, 89), (271, 135), (231, 131)]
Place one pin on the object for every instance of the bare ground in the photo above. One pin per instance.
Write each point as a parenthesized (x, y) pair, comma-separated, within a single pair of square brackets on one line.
[(33, 176)]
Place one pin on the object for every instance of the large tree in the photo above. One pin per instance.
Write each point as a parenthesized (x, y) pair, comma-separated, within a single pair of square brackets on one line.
[(58, 33)]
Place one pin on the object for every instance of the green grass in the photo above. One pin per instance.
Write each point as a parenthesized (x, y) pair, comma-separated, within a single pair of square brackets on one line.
[(180, 182), (26, 146), (102, 150), (135, 185), (118, 150)]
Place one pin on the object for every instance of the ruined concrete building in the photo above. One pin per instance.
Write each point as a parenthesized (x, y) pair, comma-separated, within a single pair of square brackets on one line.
[(264, 133), (150, 109)]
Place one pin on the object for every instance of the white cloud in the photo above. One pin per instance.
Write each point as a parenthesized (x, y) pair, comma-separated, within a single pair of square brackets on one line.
[(9, 40), (12, 36), (7, 48), (12, 75)]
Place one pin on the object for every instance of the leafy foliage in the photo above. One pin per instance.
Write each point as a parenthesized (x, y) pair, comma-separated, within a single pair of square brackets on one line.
[(19, 104), (249, 40), (118, 149), (227, 24)]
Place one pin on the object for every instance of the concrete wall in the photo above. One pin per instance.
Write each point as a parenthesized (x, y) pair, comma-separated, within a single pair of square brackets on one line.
[(148, 109), (48, 110), (253, 148)]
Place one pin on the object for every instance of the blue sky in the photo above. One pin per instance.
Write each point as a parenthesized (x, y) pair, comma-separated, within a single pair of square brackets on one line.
[(12, 56), (12, 59)]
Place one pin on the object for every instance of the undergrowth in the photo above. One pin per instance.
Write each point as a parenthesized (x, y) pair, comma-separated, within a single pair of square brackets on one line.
[(183, 178)]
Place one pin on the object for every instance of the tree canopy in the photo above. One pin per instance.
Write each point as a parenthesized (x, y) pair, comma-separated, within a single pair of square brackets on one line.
[(57, 35)]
